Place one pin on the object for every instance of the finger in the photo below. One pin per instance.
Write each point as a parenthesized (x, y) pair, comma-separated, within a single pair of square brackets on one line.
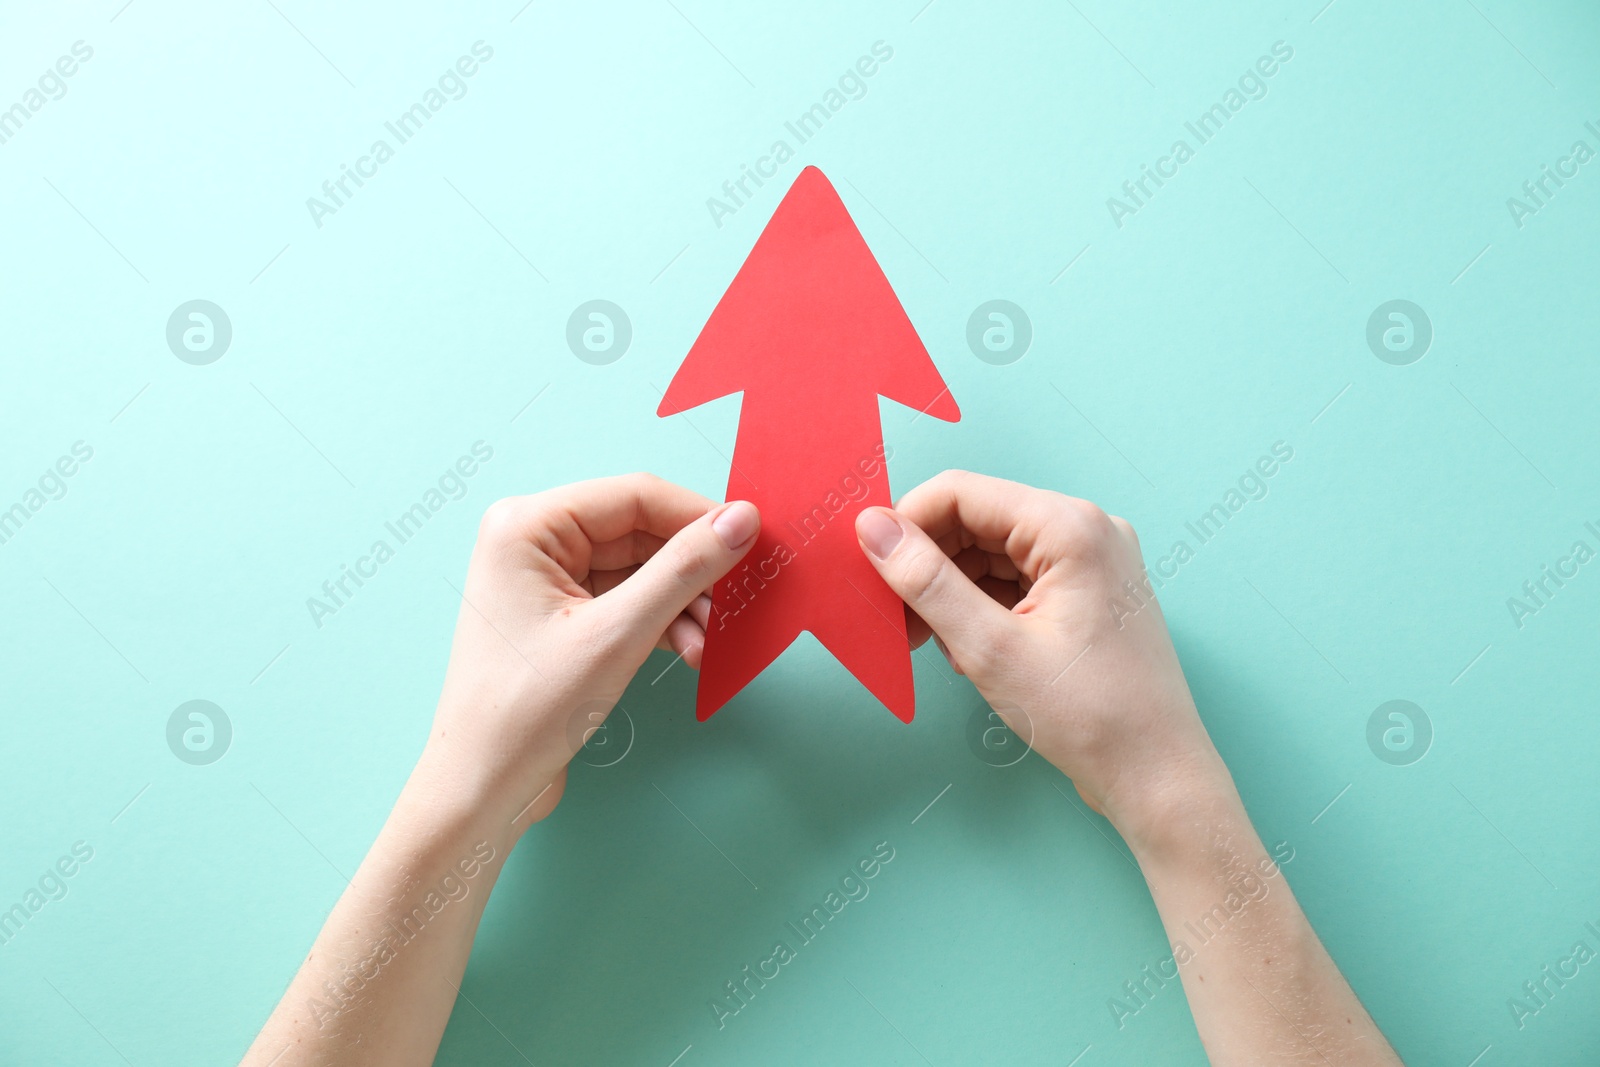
[(685, 637), (631, 549), (688, 629), (972, 625), (567, 523), (945, 652), (983, 507), (1031, 527), (602, 581), (609, 508), (917, 629), (994, 574), (975, 563), (687, 565)]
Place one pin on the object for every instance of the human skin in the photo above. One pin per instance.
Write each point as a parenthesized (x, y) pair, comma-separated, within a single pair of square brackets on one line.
[(566, 595), (1017, 585), (568, 591)]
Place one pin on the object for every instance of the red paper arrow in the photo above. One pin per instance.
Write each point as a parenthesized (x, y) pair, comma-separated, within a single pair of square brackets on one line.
[(812, 334)]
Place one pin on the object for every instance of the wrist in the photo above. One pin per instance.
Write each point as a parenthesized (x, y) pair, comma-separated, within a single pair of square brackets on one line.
[(494, 766), (451, 803), (1181, 807)]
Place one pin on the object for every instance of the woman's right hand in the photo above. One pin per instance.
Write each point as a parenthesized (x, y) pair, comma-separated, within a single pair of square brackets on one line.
[(1041, 600)]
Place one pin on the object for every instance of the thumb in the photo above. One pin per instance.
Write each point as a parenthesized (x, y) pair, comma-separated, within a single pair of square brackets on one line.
[(967, 620), (686, 566)]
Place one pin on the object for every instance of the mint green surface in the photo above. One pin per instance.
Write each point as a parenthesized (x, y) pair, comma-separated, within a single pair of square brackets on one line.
[(1226, 314)]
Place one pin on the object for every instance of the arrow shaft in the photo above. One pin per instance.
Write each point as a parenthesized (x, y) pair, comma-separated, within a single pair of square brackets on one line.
[(810, 472), (795, 457)]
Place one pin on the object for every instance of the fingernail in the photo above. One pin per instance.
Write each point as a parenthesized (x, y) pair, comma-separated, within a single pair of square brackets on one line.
[(878, 531), (737, 523)]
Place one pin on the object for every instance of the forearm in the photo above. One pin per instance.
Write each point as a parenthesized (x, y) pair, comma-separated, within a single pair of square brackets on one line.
[(381, 979), (1260, 985), (567, 593)]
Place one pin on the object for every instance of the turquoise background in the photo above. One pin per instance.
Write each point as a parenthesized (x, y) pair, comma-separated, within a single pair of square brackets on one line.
[(1227, 314)]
